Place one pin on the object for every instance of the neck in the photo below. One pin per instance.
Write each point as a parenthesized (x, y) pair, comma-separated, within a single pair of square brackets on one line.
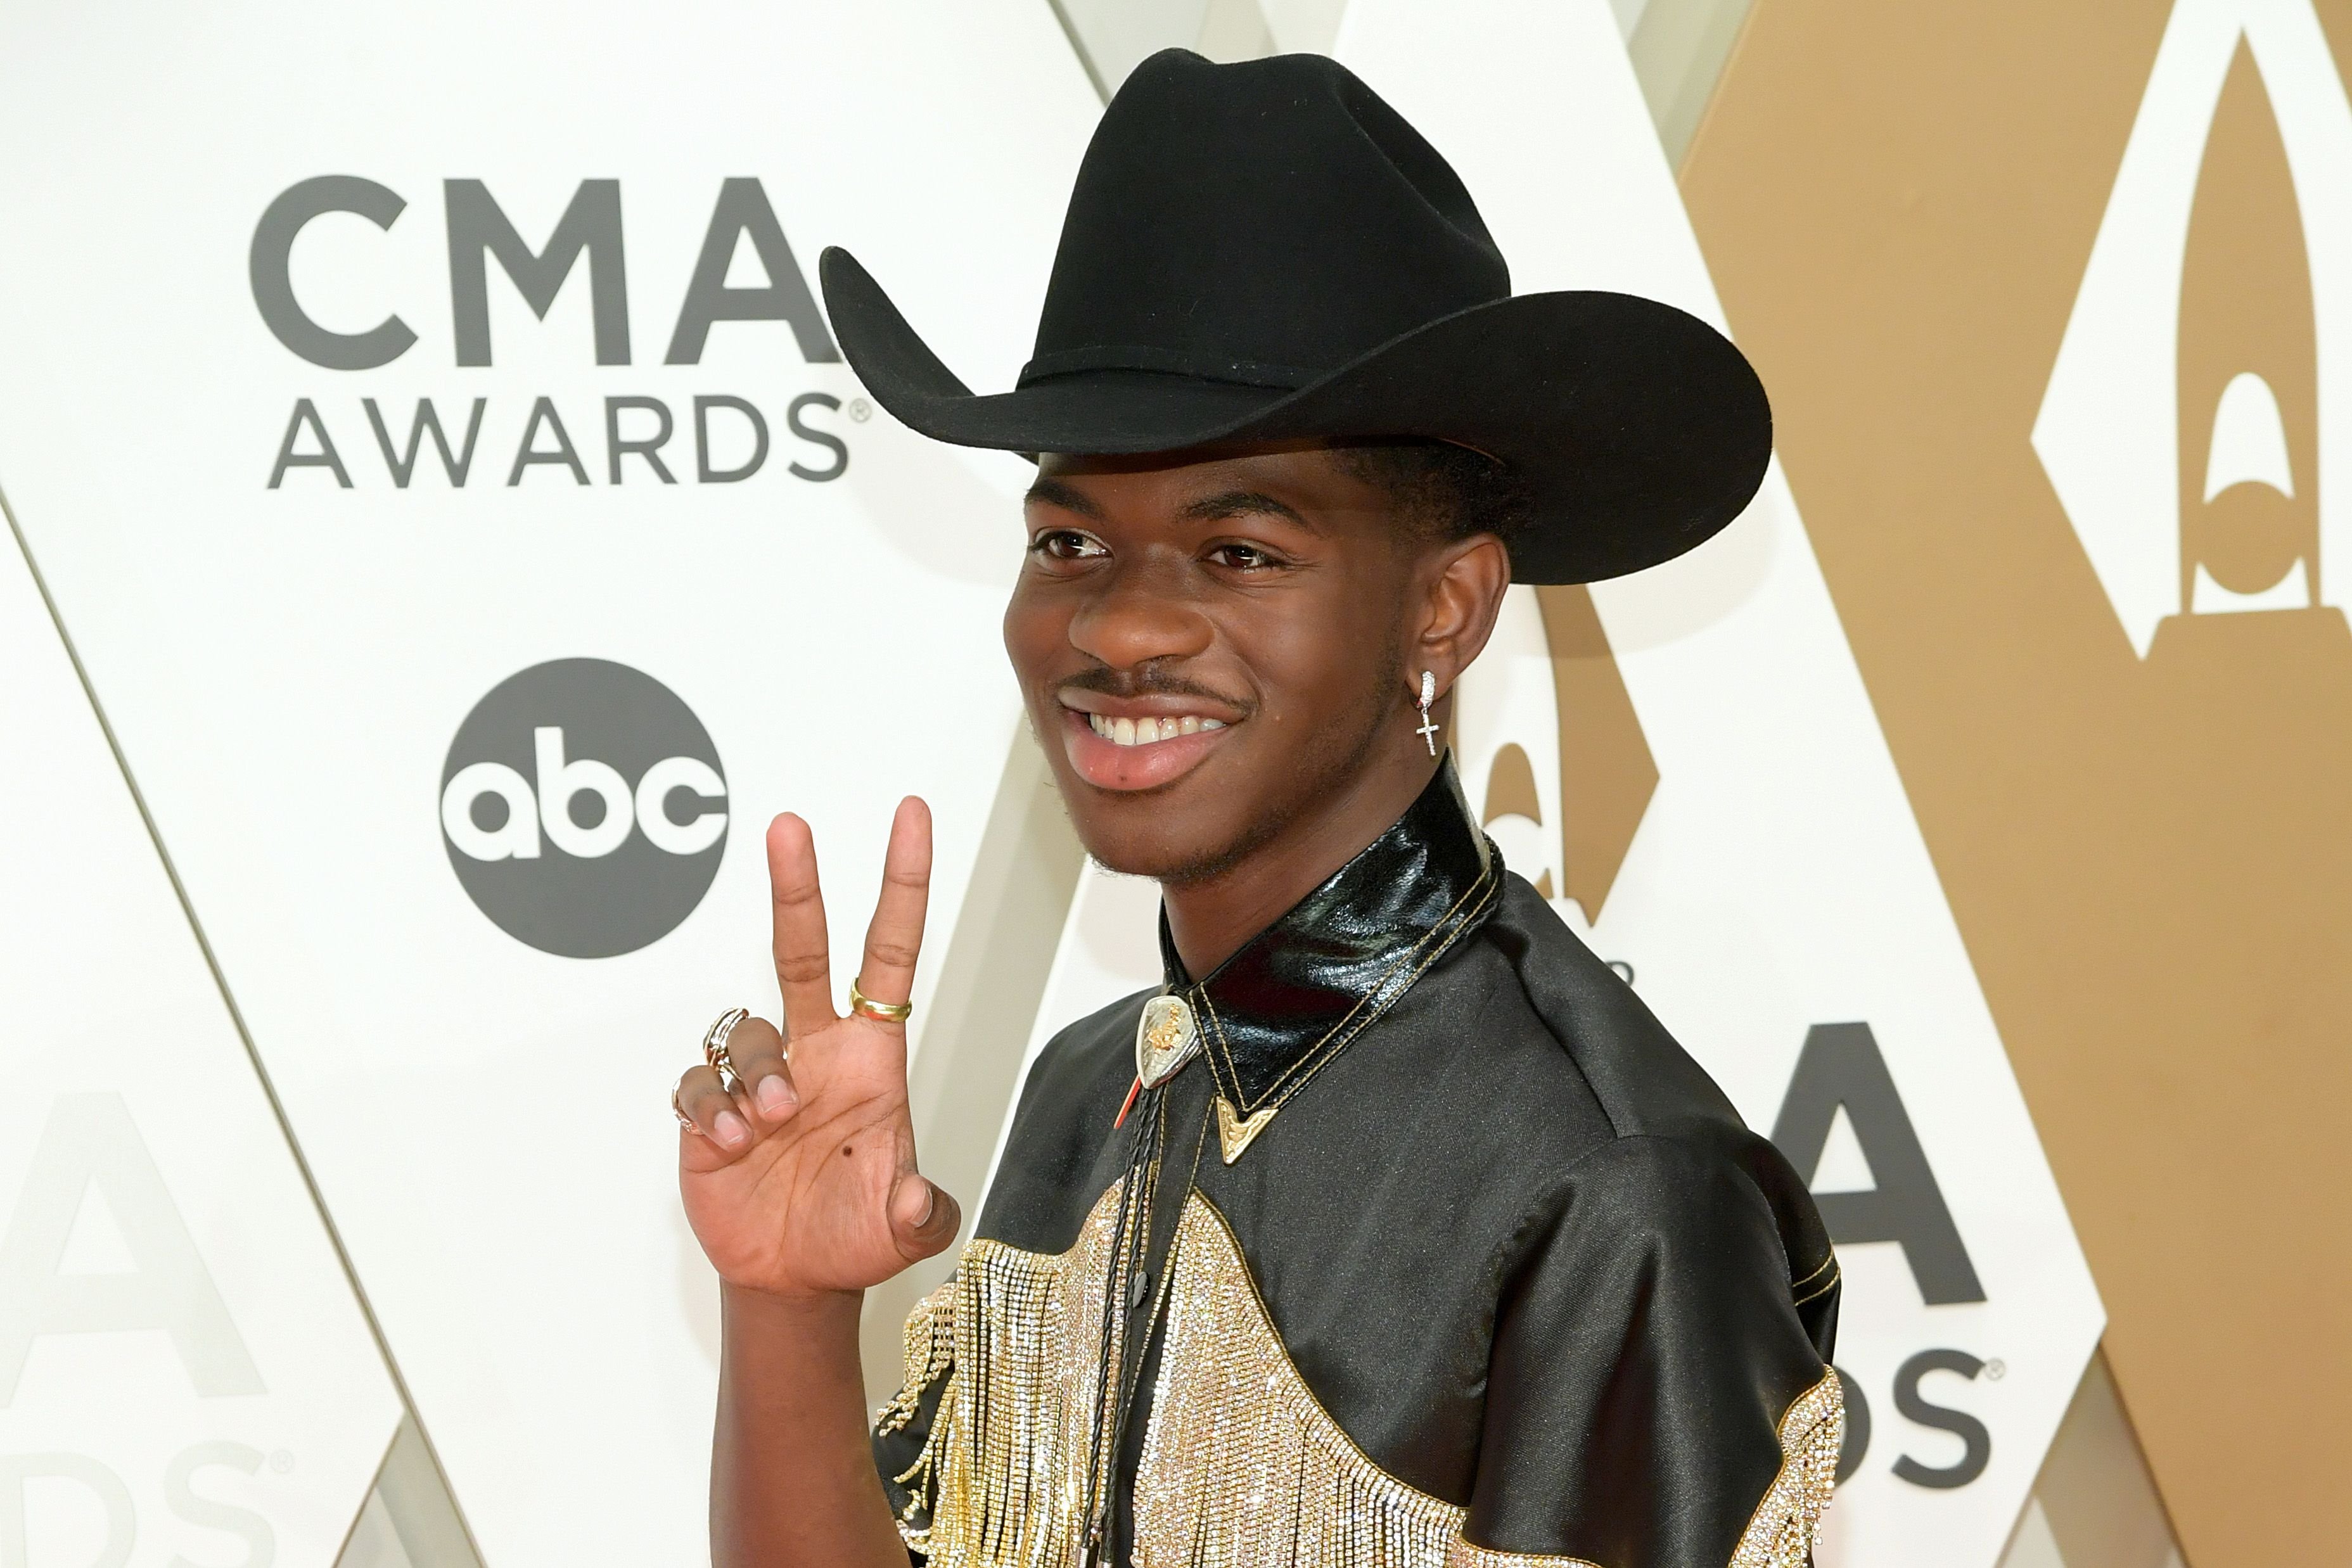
[(1211, 919)]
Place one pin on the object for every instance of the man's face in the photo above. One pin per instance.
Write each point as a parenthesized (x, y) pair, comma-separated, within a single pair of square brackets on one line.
[(1211, 645)]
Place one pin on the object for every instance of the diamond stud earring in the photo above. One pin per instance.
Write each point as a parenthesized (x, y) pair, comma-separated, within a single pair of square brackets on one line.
[(1428, 730)]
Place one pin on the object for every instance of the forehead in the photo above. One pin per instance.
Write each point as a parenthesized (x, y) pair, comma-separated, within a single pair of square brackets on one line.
[(1308, 483)]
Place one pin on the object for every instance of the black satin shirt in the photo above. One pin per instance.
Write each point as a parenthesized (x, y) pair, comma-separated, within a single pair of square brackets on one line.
[(1493, 1277)]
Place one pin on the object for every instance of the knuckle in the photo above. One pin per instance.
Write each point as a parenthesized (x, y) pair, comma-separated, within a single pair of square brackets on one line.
[(799, 968), (891, 951)]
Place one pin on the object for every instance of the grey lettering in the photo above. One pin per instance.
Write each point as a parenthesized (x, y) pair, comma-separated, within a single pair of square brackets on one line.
[(305, 414), (743, 209), (478, 229), (702, 468), (649, 447), (1841, 1066), (542, 411), (816, 437), (425, 420), (1976, 1443), (268, 264)]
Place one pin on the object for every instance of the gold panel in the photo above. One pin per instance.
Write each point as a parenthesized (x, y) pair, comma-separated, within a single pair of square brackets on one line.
[(1239, 1452)]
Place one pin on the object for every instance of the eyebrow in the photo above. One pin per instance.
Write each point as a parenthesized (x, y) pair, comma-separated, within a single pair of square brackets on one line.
[(1245, 503), (1069, 497), (1224, 503)]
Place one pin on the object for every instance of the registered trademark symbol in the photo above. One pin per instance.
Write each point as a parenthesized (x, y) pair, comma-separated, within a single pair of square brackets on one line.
[(1996, 1369), (282, 1461), (860, 410)]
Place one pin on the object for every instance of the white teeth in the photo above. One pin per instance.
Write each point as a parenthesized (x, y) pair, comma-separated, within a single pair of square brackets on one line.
[(1147, 731)]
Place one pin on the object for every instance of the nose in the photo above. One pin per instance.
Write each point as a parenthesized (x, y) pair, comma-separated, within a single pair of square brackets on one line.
[(1139, 612)]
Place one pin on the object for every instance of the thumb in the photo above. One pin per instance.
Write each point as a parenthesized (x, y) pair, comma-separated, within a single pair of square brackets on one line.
[(923, 1217)]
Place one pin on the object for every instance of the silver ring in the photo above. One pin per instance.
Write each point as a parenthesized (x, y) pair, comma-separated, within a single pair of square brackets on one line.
[(714, 1048)]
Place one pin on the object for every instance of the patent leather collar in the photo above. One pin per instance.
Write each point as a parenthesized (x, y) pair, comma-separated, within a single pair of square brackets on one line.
[(1298, 991)]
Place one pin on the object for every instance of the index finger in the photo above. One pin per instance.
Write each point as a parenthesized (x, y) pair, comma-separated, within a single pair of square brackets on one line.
[(803, 960), (896, 935)]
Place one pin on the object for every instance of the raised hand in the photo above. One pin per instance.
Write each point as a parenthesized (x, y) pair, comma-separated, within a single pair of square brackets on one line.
[(801, 1182)]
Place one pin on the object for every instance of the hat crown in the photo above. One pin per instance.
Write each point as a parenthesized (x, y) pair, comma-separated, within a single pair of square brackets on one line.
[(1263, 223)]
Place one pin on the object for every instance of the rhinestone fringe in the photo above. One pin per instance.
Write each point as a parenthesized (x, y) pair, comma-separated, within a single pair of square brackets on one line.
[(1240, 1466), (1812, 1433), (1005, 1462)]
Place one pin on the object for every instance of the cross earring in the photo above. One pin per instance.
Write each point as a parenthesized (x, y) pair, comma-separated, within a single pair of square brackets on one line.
[(1428, 730)]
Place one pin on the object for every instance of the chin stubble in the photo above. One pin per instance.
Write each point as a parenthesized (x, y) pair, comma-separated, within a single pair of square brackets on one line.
[(1311, 788)]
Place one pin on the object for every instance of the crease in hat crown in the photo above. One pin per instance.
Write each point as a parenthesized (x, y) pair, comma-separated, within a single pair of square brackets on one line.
[(1267, 251), (1371, 231)]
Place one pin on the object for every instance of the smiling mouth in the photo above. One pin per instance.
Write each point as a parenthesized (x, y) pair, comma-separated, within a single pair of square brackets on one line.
[(1147, 730), (1129, 752)]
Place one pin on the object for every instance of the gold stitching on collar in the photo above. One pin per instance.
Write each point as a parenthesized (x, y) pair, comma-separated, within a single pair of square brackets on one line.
[(1244, 1130), (1482, 888)]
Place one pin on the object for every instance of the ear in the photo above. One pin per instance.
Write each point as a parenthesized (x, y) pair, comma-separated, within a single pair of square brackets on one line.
[(1462, 593)]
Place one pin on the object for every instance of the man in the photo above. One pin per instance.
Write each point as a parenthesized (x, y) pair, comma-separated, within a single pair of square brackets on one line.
[(1392, 1229)]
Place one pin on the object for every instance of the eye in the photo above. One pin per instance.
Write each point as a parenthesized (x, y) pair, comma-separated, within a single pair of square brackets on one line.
[(1241, 556), (1067, 544)]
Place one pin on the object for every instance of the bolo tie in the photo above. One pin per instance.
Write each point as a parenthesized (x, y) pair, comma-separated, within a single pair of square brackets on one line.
[(1166, 1038)]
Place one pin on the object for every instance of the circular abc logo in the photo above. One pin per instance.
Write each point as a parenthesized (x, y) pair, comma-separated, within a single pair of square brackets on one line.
[(583, 807)]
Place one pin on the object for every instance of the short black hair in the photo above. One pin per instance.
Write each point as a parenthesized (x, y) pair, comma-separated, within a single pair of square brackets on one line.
[(1443, 492)]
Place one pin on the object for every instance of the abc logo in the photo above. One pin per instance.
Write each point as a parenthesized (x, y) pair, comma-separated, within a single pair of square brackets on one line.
[(583, 807)]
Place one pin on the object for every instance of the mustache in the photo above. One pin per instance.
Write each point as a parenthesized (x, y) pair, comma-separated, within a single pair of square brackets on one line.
[(1144, 680)]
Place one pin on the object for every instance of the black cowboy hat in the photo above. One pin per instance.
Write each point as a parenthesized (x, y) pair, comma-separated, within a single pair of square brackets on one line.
[(1267, 251)]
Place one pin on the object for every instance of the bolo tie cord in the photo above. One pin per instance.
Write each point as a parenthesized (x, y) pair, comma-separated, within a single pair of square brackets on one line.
[(1132, 1226), (1121, 1398)]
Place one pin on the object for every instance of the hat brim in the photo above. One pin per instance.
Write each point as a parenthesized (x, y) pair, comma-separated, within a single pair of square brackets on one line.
[(1638, 430)]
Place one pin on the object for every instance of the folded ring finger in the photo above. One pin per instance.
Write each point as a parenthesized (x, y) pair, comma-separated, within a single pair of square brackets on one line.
[(703, 1101)]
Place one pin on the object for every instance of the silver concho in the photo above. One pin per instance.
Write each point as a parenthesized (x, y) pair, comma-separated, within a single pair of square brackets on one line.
[(1166, 1038)]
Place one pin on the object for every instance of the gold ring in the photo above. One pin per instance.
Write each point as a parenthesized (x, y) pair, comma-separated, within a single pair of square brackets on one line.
[(880, 1012), (714, 1047), (683, 1119)]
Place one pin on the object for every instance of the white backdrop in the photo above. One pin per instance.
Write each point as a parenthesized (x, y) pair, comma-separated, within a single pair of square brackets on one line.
[(183, 1366), (287, 666)]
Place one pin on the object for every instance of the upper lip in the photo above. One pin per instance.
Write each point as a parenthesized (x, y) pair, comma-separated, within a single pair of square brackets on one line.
[(1162, 704)]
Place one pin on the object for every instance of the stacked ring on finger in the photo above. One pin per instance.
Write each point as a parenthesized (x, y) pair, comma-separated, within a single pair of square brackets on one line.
[(714, 1048), (678, 1111)]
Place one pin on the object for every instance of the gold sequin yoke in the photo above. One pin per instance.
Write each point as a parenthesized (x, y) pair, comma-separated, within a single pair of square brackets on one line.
[(1242, 1466)]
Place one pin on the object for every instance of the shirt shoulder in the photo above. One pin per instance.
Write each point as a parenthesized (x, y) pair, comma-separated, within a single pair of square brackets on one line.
[(1046, 1179)]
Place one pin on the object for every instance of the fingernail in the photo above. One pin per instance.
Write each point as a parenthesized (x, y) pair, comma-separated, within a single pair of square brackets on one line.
[(774, 1098), (930, 1204), (730, 1128)]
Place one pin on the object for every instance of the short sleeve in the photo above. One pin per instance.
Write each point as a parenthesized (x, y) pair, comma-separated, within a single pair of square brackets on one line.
[(902, 1428), (1654, 1396)]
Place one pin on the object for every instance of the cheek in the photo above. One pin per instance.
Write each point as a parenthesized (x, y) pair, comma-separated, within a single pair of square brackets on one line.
[(1320, 668), (1033, 629)]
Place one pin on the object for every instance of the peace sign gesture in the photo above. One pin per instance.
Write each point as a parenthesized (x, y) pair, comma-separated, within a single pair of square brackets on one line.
[(801, 1180)]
